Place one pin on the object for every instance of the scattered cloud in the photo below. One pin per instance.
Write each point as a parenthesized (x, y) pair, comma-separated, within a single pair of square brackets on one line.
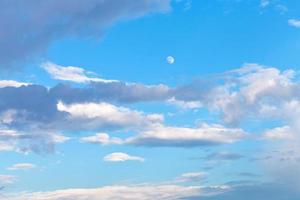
[(121, 157), (12, 140)]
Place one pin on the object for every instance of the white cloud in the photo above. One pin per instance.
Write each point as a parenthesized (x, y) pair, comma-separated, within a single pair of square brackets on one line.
[(185, 104), (279, 133), (138, 192), (192, 177), (160, 135), (121, 157), (12, 83), (250, 90), (71, 73), (145, 192), (21, 166), (101, 138), (294, 23), (95, 115)]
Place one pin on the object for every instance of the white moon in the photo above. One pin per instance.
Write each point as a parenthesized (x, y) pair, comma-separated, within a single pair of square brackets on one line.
[(170, 59)]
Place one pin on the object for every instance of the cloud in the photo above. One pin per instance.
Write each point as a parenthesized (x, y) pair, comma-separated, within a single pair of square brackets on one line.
[(279, 133), (264, 3), (204, 135), (223, 156), (101, 138), (7, 179), (21, 166), (253, 91), (192, 177), (159, 135), (97, 115), (11, 83), (185, 104), (140, 192), (294, 23), (121, 157), (51, 20), (12, 140), (70, 73)]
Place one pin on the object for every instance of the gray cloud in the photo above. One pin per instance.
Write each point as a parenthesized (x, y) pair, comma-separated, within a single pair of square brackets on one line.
[(37, 105), (28, 27), (223, 156)]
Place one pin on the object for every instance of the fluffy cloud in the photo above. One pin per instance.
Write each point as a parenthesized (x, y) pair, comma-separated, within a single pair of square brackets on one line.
[(21, 166), (251, 91), (97, 115), (121, 157), (223, 156), (70, 73), (51, 20)]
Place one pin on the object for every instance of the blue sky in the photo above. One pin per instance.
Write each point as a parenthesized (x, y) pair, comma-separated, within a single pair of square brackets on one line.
[(91, 108)]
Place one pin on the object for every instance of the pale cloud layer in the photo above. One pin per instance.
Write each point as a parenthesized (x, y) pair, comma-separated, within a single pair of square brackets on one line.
[(7, 179), (142, 192)]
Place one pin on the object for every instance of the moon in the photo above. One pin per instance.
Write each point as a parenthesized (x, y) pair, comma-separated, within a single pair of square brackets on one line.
[(170, 60)]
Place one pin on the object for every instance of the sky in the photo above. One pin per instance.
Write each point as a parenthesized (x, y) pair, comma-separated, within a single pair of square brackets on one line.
[(149, 99)]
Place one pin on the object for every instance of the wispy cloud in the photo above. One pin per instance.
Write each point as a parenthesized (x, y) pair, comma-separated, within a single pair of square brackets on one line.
[(71, 73), (21, 166), (294, 23)]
